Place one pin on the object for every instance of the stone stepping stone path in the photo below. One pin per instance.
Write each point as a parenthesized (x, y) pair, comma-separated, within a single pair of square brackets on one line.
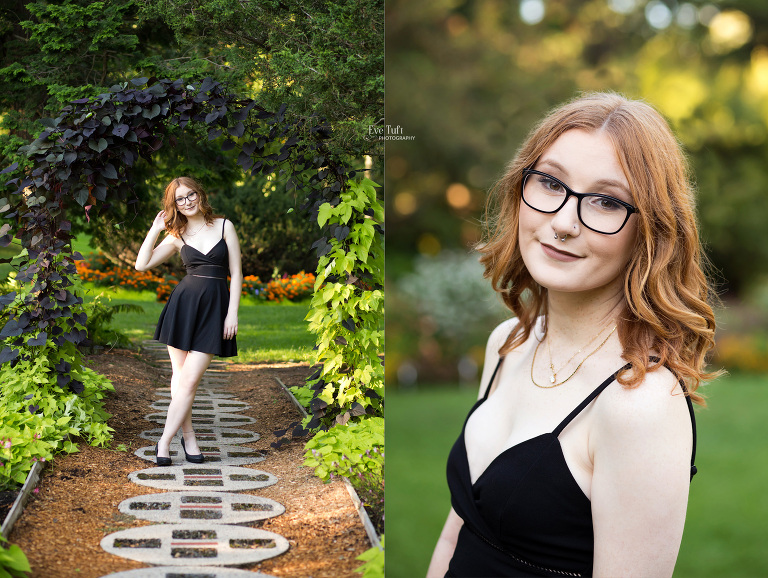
[(217, 544), (202, 477), (220, 454), (207, 407), (222, 435), (208, 419), (189, 572), (179, 507), (196, 515)]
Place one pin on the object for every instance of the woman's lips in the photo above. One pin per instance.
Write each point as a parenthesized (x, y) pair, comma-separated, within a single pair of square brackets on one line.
[(557, 254)]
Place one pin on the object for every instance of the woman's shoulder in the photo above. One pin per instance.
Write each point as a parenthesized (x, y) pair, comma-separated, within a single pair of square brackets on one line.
[(221, 221), (655, 409), (171, 238), (500, 333)]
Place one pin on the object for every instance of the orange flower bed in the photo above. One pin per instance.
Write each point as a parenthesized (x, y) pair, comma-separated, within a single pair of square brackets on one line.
[(100, 271), (293, 288), (120, 276)]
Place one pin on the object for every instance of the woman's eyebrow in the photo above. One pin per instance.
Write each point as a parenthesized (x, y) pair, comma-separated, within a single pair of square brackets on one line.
[(600, 182), (555, 165)]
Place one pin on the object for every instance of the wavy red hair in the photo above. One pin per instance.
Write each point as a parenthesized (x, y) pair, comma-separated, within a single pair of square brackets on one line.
[(175, 221), (667, 308)]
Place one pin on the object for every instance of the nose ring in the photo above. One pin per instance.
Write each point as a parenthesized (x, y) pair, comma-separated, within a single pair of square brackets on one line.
[(562, 239)]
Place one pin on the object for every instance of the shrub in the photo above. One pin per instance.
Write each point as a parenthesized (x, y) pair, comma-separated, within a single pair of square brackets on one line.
[(442, 314), (273, 236), (742, 352), (252, 285), (346, 450), (37, 415), (165, 288)]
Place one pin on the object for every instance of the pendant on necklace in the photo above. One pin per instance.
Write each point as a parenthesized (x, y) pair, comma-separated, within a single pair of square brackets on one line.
[(552, 378)]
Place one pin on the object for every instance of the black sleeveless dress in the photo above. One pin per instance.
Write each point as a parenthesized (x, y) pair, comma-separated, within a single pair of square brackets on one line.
[(525, 515), (193, 318)]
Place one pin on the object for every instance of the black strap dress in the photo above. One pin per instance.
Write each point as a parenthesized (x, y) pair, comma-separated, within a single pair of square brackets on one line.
[(193, 318), (525, 515)]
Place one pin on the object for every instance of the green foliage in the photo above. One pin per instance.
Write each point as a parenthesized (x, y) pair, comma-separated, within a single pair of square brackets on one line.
[(347, 308), (374, 562), (318, 57), (303, 395), (354, 451), (46, 394), (13, 561), (57, 52), (347, 450), (101, 312), (273, 235), (39, 411)]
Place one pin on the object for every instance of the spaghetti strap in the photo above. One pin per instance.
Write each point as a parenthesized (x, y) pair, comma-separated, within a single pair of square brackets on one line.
[(694, 469), (587, 401), (493, 376), (558, 430), (222, 227), (182, 238)]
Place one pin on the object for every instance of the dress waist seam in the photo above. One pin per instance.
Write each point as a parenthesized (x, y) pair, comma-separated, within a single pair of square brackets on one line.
[(517, 558)]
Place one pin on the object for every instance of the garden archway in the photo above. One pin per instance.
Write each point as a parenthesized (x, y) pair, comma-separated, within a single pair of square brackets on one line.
[(83, 159)]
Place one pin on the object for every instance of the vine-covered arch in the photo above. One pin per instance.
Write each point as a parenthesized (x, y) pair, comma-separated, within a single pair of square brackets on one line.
[(83, 161)]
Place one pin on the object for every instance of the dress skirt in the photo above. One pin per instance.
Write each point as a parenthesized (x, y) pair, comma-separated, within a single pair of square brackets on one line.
[(193, 318)]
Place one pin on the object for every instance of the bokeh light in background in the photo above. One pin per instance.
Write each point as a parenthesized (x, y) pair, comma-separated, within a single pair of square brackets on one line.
[(467, 79)]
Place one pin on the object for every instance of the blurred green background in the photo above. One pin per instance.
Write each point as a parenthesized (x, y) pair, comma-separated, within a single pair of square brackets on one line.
[(466, 81)]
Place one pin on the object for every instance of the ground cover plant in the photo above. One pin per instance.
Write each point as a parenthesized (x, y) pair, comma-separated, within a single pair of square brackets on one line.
[(48, 396)]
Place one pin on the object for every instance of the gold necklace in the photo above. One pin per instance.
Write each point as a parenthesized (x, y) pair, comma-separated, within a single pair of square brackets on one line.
[(196, 232), (553, 372), (554, 384)]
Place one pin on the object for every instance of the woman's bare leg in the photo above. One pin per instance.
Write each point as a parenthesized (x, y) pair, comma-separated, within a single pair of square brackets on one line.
[(177, 363), (183, 394)]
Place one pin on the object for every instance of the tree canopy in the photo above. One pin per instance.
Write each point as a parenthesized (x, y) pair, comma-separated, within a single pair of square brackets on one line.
[(316, 57)]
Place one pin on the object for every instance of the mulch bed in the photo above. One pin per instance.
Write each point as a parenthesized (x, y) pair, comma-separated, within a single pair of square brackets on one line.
[(76, 506)]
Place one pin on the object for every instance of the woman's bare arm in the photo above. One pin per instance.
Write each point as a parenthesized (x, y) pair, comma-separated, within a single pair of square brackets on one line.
[(641, 449), (150, 256), (446, 544), (236, 279)]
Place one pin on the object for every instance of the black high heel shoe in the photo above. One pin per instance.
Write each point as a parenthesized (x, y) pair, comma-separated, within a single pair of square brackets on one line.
[(162, 461), (196, 459)]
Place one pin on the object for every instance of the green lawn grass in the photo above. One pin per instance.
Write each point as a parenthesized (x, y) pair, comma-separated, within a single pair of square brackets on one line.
[(266, 331), (726, 524)]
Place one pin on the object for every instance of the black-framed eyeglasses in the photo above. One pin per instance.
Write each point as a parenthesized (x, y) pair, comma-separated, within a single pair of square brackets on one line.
[(191, 198), (600, 213)]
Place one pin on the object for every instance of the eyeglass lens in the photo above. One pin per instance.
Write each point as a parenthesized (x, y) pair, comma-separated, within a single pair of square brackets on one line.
[(191, 198), (600, 213)]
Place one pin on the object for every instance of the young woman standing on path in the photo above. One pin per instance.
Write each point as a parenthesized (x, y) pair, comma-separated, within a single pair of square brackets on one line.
[(577, 458), (200, 318)]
